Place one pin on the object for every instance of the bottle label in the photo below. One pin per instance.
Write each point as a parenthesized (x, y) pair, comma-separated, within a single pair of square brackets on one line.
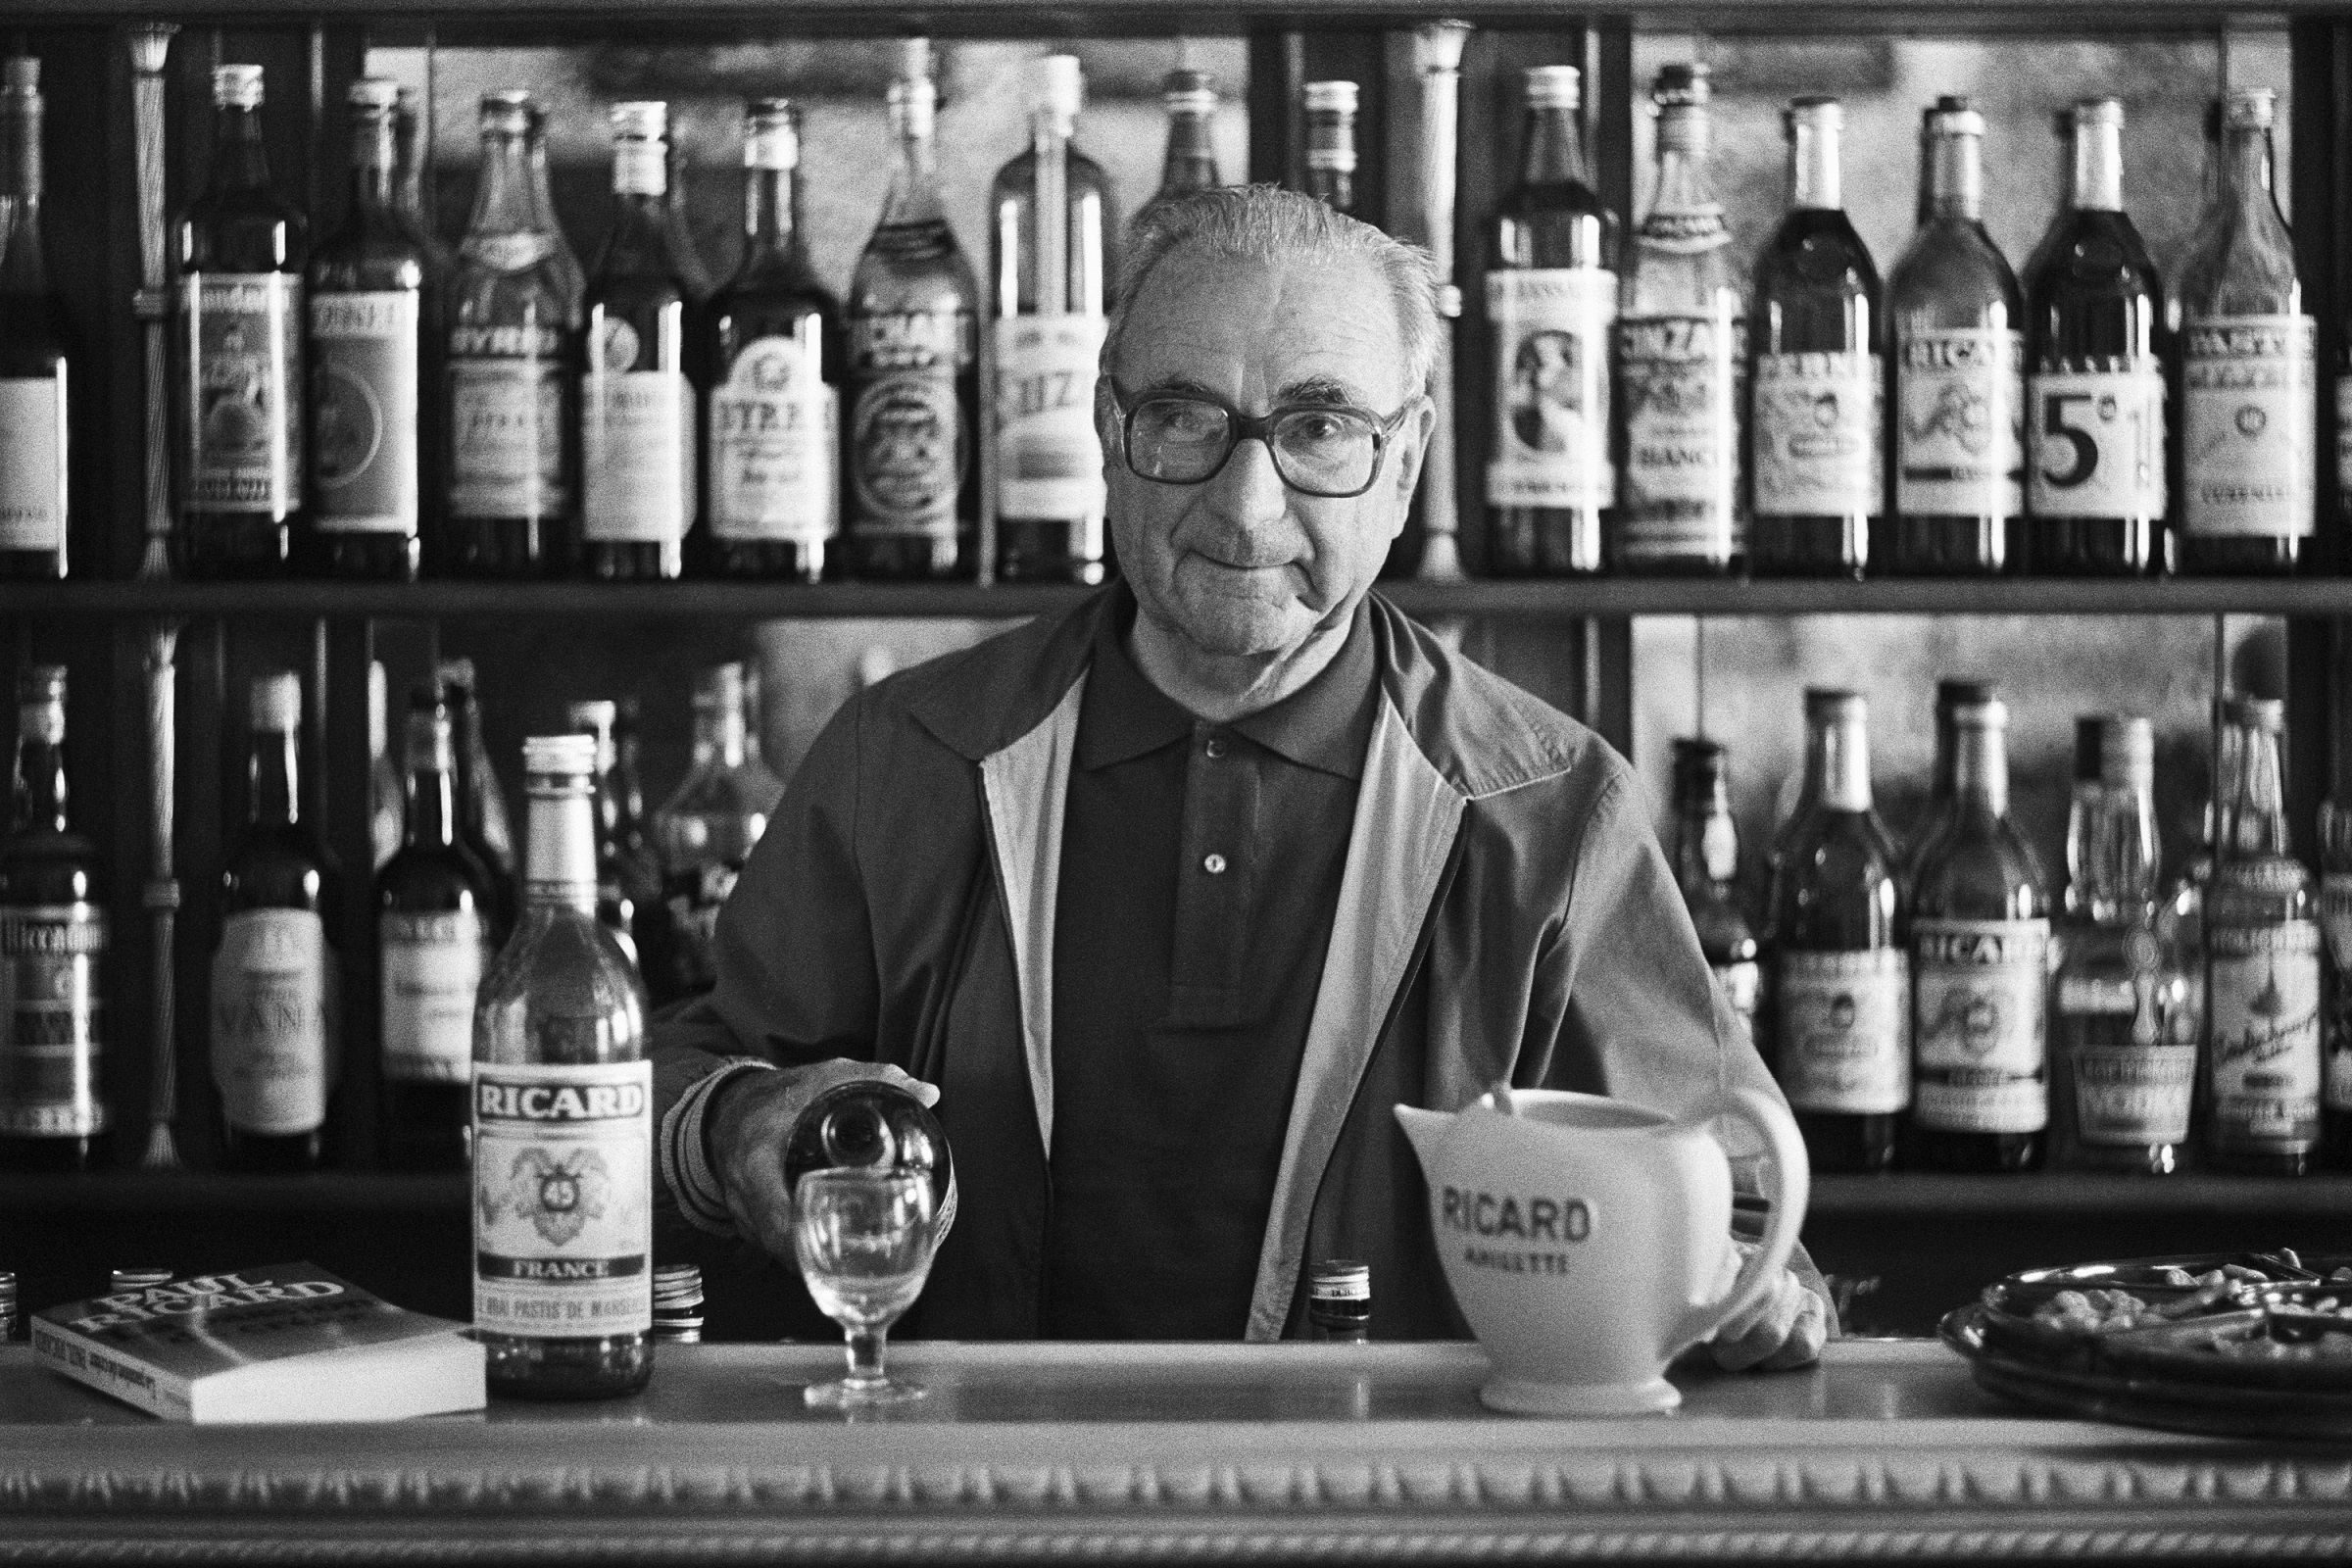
[(273, 1021), (51, 1038), (1981, 993), (638, 474), (2095, 442), (244, 347), (1552, 387), (2246, 412), (1845, 1031), (2335, 922), (1048, 462), (430, 966), (2133, 1097), (775, 429), (2264, 998), (562, 1199), (1817, 436), (1742, 982), (364, 412), (32, 481), (1959, 424), (908, 445), (1679, 380), (506, 450)]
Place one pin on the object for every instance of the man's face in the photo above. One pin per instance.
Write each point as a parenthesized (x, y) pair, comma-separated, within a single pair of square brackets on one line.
[(1242, 565)]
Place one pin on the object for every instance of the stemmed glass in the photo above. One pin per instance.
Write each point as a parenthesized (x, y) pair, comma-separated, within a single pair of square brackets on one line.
[(863, 1236)]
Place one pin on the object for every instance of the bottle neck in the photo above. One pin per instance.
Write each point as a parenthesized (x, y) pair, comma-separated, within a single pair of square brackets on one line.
[(2246, 165), (374, 164), (1954, 184), (432, 786), (2253, 821), (1813, 168), (2116, 851), (1980, 767), (24, 270), (42, 775), (1838, 765), (273, 778), (718, 735), (1684, 184), (2098, 168), (560, 850), (771, 216), (1556, 148), (1191, 163), (240, 160), (504, 204), (1706, 844), (915, 176)]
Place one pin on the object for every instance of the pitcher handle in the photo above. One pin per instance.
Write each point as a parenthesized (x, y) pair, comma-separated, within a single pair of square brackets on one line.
[(1789, 1188)]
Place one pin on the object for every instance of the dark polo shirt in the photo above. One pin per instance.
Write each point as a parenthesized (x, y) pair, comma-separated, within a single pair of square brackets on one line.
[(1200, 865)]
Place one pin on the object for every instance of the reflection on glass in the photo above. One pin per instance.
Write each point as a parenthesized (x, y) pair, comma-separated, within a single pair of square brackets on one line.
[(864, 1240)]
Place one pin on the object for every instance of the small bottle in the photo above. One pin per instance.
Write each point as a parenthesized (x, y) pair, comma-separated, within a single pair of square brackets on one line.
[(483, 825), (1959, 372), (1339, 1301), (1707, 865), (636, 404), (387, 795), (53, 941), (274, 1019), (677, 1304), (34, 357), (1191, 161), (704, 832), (1551, 301), (563, 1122), (241, 256), (1980, 970), (1815, 477), (628, 886), (2335, 922), (1329, 109)]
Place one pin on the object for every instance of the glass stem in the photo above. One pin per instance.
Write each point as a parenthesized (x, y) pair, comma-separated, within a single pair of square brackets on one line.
[(865, 1358)]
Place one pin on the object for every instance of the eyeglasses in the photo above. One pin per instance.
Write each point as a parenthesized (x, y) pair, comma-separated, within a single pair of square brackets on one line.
[(1331, 450)]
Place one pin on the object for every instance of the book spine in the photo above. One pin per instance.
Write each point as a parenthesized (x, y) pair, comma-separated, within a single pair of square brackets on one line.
[(86, 1361)]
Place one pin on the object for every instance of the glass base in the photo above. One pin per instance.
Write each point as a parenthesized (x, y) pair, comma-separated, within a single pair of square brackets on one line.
[(860, 1393)]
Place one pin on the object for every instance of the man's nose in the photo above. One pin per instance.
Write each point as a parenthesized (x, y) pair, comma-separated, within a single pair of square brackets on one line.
[(1249, 490)]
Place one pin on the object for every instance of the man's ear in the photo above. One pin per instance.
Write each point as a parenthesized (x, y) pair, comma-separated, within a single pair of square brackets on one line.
[(1412, 445), (1106, 425)]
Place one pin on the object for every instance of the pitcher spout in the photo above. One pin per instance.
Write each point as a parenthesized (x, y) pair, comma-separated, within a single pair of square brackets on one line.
[(1422, 1129)]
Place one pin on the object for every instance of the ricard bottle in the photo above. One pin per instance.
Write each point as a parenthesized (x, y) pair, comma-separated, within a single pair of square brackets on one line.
[(1841, 1004), (1707, 866), (563, 1120), (1328, 110), (2248, 370), (1816, 483), (1958, 410), (704, 832), (1191, 161), (1551, 303), (34, 361), (1681, 358)]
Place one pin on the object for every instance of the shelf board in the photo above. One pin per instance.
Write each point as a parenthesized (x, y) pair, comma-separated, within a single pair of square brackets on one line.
[(2078, 1196), (207, 1193)]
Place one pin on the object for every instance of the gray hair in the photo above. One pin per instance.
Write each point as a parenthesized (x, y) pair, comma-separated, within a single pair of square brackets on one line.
[(1260, 223)]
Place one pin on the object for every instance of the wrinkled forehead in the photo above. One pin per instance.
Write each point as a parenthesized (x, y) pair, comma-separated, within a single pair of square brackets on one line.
[(1248, 325)]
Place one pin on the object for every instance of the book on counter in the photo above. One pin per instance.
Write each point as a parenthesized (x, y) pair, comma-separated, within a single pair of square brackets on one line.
[(288, 1343)]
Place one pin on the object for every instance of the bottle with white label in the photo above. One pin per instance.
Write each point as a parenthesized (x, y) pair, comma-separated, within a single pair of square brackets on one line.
[(275, 1022), (34, 347), (1551, 303), (1958, 409), (2335, 923), (1840, 1013), (2263, 1067), (563, 1120), (1980, 970), (637, 448), (367, 326), (241, 253), (433, 938), (2248, 371), (772, 344), (1681, 358), (1816, 479), (2095, 348), (1050, 231), (1707, 865)]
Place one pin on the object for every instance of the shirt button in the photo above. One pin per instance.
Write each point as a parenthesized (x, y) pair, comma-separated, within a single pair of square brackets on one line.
[(1214, 748), (1215, 865)]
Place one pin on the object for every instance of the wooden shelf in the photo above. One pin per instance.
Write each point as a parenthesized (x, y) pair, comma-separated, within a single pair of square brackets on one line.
[(211, 1195)]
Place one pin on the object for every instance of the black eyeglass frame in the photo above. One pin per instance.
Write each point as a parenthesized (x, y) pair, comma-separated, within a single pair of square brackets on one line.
[(1242, 428)]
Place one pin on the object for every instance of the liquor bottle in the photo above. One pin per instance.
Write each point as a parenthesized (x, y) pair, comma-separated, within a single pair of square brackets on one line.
[(1706, 862), (675, 208), (563, 1122), (1191, 163), (483, 825), (2126, 1015), (2248, 376), (704, 831), (771, 343), (1681, 358), (1338, 1302), (1815, 477), (1049, 257), (636, 406), (2262, 946), (1943, 791), (629, 829), (914, 367), (1328, 111), (53, 941), (1980, 970), (276, 1019), (34, 347), (564, 259), (1957, 319), (367, 309), (2335, 923), (1840, 1009), (433, 941), (387, 797), (241, 256), (2095, 344), (409, 156), (627, 884), (512, 313)]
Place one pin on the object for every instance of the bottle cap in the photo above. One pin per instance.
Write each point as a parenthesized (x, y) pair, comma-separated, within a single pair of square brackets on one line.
[(237, 87), (558, 758), (432, 743), (1699, 764), (1954, 694), (772, 134), (1682, 85), (2250, 108), (677, 1285), (1554, 87), (1340, 1278), (374, 92), (1980, 713), (137, 1278), (594, 718), (1820, 112), (645, 119), (1056, 84), (458, 674), (22, 73), (1185, 91), (2098, 112), (1328, 97), (2126, 750), (2266, 714), (505, 112), (1827, 704), (275, 706), (915, 60), (1952, 117)]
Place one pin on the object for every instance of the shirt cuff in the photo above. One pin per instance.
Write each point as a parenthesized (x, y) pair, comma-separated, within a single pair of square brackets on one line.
[(686, 1157)]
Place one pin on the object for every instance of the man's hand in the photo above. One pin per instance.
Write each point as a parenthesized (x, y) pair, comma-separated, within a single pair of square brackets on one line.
[(1786, 1328), (750, 1123)]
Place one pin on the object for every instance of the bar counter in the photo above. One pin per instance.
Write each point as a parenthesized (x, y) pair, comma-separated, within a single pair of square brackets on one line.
[(1087, 1452)]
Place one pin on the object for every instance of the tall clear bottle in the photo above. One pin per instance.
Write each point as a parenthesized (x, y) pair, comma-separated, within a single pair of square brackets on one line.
[(1682, 355), (512, 313), (367, 348), (1816, 481), (703, 834), (35, 348), (629, 884), (242, 252), (771, 345), (2248, 370), (1050, 222), (1551, 301), (1707, 865), (563, 1122), (1190, 160), (1959, 361), (637, 448), (1841, 1006), (1327, 108), (2096, 347), (914, 367)]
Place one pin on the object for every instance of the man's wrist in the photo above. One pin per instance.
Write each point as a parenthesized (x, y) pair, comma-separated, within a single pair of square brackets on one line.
[(689, 1164)]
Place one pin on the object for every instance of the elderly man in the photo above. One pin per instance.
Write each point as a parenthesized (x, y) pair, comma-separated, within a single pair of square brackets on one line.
[(1172, 898)]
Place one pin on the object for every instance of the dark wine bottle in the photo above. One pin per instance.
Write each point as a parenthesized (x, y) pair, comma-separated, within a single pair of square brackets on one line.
[(34, 506), (1190, 160), (484, 825), (1707, 865), (1328, 111)]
